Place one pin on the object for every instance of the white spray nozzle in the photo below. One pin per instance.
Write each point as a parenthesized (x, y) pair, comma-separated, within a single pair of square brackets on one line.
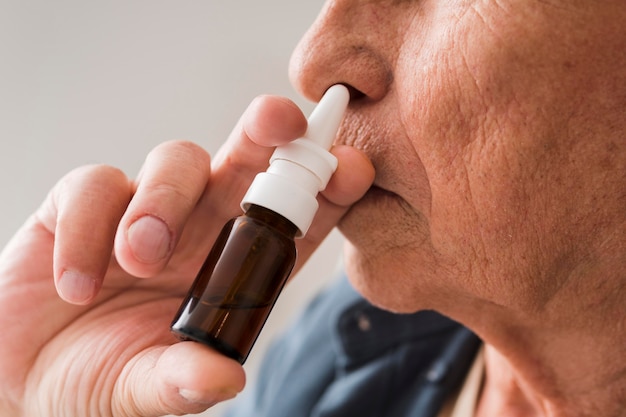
[(325, 119), (302, 168), (311, 150)]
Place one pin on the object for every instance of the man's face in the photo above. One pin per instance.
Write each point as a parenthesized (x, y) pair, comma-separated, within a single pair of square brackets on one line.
[(496, 129)]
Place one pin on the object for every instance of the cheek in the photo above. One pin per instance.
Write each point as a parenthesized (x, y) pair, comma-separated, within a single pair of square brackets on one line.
[(510, 196), (493, 160)]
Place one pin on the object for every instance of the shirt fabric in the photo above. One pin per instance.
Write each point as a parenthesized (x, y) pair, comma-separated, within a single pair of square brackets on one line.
[(345, 357), (464, 403)]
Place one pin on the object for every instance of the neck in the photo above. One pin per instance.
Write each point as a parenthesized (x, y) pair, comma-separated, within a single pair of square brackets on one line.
[(565, 357), (510, 391), (552, 364)]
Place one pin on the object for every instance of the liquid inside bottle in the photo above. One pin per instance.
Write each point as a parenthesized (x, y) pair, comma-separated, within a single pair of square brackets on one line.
[(239, 283)]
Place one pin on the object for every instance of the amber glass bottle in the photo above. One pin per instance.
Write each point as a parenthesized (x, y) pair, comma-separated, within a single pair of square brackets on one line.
[(255, 253), (238, 284)]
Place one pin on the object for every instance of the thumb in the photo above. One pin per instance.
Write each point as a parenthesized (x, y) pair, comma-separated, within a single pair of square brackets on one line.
[(185, 378)]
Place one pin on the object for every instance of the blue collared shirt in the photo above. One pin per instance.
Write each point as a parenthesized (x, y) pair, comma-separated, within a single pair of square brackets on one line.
[(344, 357)]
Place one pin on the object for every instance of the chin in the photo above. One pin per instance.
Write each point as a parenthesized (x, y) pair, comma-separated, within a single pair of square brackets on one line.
[(387, 251), (376, 285)]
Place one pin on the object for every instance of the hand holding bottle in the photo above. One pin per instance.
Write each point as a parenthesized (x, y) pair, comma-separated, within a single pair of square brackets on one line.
[(253, 257), (107, 349)]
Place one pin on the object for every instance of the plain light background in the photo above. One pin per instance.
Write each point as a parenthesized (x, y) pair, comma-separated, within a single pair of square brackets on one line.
[(104, 82)]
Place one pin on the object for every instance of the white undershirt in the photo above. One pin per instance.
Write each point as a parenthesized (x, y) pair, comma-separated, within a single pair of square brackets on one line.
[(464, 403)]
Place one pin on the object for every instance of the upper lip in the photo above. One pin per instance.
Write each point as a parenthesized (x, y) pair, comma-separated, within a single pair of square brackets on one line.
[(363, 129)]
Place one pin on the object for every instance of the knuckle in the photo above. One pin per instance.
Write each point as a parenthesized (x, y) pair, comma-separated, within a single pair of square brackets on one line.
[(96, 174), (185, 150), (179, 159), (182, 194), (175, 170), (88, 188), (94, 184)]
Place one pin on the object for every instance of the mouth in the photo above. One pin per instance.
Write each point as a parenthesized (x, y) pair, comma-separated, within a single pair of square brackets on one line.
[(380, 200), (381, 206), (382, 224), (376, 192)]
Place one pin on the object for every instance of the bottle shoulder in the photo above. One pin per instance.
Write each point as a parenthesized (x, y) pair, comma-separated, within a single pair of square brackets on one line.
[(262, 217)]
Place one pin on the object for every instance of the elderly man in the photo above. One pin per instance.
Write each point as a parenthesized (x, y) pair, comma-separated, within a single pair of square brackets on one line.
[(493, 132)]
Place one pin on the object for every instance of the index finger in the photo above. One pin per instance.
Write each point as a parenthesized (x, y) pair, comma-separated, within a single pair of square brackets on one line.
[(269, 121)]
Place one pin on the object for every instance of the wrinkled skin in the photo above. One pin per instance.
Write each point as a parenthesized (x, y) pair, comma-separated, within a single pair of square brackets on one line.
[(497, 132)]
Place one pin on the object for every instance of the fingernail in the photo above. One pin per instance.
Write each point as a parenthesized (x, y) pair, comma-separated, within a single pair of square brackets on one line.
[(77, 288), (149, 239), (207, 398)]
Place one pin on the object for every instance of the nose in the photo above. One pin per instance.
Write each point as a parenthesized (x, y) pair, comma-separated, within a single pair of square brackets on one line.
[(344, 45)]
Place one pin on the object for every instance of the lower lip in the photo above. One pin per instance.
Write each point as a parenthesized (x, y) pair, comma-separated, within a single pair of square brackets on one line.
[(381, 196), (381, 206), (376, 192), (375, 200)]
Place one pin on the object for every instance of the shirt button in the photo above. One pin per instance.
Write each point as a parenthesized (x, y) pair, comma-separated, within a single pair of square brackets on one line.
[(364, 323), (437, 372)]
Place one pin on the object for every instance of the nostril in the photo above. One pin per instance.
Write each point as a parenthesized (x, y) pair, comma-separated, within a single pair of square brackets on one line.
[(355, 94)]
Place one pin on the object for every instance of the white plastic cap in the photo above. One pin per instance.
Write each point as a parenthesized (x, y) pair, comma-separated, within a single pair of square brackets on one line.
[(302, 168)]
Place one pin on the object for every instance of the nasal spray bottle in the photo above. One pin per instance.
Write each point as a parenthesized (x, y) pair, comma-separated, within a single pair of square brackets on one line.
[(254, 254)]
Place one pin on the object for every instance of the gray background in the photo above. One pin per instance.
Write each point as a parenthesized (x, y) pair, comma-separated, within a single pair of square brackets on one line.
[(104, 82)]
